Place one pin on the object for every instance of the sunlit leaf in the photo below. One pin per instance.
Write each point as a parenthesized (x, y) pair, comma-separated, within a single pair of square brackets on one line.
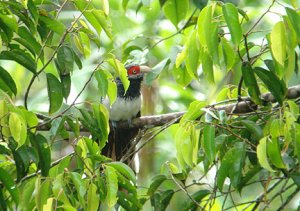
[(102, 117), (207, 67), (104, 22), (182, 76), (42, 189), (262, 154), (18, 128), (278, 43), (156, 70), (93, 198), (10, 21), (274, 153), (209, 142), (194, 111), (294, 17), (231, 16), (123, 169), (175, 10), (112, 186)]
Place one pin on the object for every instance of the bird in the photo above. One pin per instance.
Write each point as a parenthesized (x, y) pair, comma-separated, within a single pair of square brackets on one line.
[(126, 107)]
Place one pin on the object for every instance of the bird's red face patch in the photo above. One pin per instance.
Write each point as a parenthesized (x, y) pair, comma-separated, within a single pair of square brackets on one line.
[(134, 70)]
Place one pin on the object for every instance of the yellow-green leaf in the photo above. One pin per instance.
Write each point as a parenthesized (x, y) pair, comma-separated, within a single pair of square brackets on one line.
[(93, 198), (18, 128), (278, 42), (175, 10), (261, 151), (111, 185), (274, 153)]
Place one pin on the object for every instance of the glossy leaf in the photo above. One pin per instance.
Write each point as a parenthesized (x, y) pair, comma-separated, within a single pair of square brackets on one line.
[(274, 153), (55, 93), (7, 83), (182, 76), (262, 154), (102, 117), (10, 21), (175, 10), (8, 182), (155, 183), (123, 169), (21, 57), (278, 43), (276, 86), (277, 128), (229, 55), (250, 82), (18, 128), (111, 185), (231, 16), (209, 145)]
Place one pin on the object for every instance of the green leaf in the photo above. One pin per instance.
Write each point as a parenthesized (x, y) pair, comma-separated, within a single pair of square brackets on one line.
[(54, 25), (194, 111), (18, 128), (277, 128), (278, 42), (161, 200), (20, 57), (250, 82), (44, 152), (120, 70), (104, 22), (252, 127), (192, 55), (66, 85), (229, 55), (261, 151), (182, 76), (209, 145), (7, 83), (24, 33), (156, 70), (232, 165), (274, 153), (93, 198), (276, 86), (297, 141), (102, 117), (80, 187), (42, 193), (123, 169), (208, 32), (294, 17), (55, 93), (155, 183), (197, 196), (8, 182), (200, 4), (10, 21), (231, 16), (175, 10), (207, 67), (111, 185), (65, 60)]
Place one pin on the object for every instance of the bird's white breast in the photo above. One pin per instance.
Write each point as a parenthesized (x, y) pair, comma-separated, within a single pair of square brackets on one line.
[(123, 109)]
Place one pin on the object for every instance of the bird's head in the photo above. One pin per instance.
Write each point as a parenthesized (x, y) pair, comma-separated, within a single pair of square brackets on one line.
[(136, 71)]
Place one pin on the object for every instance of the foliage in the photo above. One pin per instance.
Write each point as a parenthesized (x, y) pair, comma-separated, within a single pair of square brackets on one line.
[(215, 45)]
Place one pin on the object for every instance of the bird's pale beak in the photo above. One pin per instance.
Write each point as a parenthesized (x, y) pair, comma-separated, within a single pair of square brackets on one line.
[(145, 69)]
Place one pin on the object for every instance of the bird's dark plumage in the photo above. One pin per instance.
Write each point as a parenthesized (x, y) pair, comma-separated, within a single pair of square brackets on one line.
[(126, 107)]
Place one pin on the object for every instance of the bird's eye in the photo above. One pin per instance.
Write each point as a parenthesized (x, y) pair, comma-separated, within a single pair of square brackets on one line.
[(134, 71)]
